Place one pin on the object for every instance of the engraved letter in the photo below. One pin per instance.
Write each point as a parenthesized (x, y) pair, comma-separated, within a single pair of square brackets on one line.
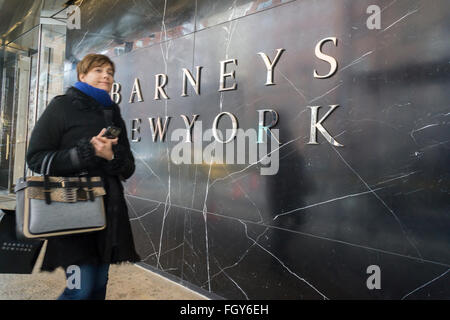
[(270, 65), (135, 128), (189, 125), (261, 125), (159, 87), (115, 92), (136, 89), (158, 131), (194, 83), (234, 124), (332, 61), (223, 75), (318, 125)]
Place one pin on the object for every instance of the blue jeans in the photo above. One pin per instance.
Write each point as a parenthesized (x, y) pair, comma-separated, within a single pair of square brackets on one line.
[(92, 283)]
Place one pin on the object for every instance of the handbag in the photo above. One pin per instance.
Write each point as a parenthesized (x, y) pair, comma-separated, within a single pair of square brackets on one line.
[(16, 256), (54, 206)]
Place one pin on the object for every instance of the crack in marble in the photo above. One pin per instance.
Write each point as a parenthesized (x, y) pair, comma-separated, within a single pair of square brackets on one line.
[(131, 206), (434, 145), (147, 166), (288, 154), (358, 60), (286, 267), (377, 121), (252, 164), (234, 282), (340, 134), (144, 12), (185, 240), (389, 5), (146, 214), (414, 191), (153, 7), (169, 269), (247, 197), (242, 256), (191, 246), (240, 177), (381, 200), (420, 129), (329, 91), (195, 186), (397, 21), (326, 202), (396, 178), (297, 90), (150, 255), (166, 252), (163, 22), (292, 84), (426, 284), (110, 8), (306, 234), (204, 212), (143, 227), (168, 202), (84, 36), (230, 31), (192, 269)]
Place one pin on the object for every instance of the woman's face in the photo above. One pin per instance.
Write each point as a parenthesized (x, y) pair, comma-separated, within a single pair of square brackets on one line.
[(101, 77)]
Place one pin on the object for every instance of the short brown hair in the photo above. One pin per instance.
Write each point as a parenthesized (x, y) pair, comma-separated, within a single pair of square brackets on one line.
[(91, 61)]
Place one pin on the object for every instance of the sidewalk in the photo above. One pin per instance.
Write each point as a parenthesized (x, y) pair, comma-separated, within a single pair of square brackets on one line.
[(126, 282)]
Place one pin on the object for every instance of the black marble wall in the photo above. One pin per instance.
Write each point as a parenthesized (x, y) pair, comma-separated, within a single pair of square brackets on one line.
[(314, 229)]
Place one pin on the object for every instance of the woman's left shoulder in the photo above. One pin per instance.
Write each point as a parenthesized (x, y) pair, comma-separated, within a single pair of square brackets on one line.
[(117, 110)]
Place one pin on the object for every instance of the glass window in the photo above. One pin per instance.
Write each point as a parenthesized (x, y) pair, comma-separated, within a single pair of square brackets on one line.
[(30, 78)]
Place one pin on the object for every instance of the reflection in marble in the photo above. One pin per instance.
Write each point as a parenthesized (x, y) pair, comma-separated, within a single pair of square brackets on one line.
[(17, 18), (211, 13), (312, 230), (118, 27), (124, 26)]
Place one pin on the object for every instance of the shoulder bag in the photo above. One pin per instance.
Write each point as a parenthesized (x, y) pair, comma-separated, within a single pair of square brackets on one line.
[(54, 206)]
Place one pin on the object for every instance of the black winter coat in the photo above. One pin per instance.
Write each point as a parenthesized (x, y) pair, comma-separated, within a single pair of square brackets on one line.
[(66, 126)]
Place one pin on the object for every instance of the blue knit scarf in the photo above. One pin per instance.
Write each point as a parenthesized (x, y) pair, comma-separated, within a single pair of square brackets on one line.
[(102, 96)]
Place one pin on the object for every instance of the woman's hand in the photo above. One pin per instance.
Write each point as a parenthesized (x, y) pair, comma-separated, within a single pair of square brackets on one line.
[(103, 146)]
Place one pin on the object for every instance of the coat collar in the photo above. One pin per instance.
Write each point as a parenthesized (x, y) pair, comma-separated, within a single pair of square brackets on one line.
[(85, 102)]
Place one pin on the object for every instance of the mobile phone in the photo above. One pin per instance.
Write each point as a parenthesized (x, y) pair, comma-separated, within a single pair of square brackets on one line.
[(112, 132)]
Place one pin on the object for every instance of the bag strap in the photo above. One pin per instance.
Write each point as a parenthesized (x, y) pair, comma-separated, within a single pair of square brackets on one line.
[(46, 177), (90, 190), (44, 162), (63, 184)]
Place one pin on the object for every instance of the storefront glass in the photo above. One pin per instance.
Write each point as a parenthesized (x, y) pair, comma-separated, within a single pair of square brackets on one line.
[(39, 51)]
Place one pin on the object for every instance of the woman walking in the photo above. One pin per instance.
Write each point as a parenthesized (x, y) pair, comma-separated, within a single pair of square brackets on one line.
[(73, 124)]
